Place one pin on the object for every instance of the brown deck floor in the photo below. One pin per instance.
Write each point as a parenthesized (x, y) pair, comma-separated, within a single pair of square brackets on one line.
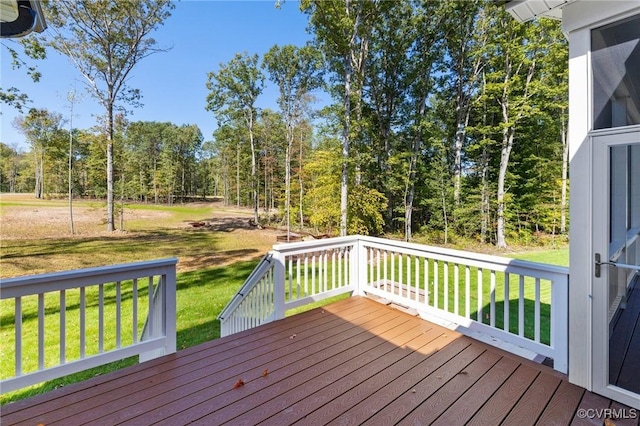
[(352, 362), (624, 344)]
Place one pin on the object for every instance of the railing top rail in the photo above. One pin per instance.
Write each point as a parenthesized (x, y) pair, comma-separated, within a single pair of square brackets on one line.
[(302, 246), (21, 286), (470, 256), (258, 272)]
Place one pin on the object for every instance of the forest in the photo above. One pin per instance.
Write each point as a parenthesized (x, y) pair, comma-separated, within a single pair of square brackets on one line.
[(447, 122)]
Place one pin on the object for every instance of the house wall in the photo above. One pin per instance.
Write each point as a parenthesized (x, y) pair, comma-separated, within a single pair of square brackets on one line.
[(578, 20)]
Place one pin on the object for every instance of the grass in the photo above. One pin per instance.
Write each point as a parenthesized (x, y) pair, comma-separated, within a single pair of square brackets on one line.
[(558, 257)]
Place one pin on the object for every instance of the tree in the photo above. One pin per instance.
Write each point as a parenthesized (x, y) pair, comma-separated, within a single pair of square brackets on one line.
[(72, 97), (42, 130), (386, 98), (105, 40), (464, 65), (228, 150), (9, 168), (513, 54), (234, 91), (426, 54), (296, 71), (342, 30), (271, 134), (144, 142)]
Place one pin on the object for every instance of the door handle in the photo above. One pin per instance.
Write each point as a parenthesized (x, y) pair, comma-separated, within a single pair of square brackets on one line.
[(599, 264)]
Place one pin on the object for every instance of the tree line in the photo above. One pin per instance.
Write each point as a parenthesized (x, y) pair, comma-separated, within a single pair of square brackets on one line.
[(448, 120)]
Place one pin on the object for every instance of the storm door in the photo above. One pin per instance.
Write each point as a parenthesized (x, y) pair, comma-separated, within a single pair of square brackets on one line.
[(615, 65)]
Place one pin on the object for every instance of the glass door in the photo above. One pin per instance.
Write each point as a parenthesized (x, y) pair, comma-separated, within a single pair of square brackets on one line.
[(616, 257)]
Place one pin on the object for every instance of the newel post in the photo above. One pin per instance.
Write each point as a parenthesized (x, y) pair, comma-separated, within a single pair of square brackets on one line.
[(170, 289), (560, 322), (278, 284), (358, 263)]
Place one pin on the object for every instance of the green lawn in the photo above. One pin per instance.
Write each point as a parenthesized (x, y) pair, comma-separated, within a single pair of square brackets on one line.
[(558, 257)]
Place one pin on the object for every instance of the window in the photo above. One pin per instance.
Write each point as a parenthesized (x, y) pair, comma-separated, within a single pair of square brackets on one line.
[(615, 61)]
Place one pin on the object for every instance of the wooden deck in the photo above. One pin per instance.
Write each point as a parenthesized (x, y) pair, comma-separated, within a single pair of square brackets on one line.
[(352, 362)]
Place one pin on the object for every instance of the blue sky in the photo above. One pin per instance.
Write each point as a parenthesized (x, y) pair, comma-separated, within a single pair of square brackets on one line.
[(202, 34)]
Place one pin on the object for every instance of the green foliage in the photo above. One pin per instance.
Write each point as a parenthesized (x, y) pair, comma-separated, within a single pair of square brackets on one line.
[(365, 211), (32, 48), (322, 198), (42, 129), (235, 88)]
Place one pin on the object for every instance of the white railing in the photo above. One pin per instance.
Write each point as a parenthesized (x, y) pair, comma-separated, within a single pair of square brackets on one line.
[(253, 304), (522, 303), (94, 316), (518, 302), (310, 272)]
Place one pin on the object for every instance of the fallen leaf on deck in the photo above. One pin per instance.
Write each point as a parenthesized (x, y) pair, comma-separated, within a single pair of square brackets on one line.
[(265, 372), (238, 384)]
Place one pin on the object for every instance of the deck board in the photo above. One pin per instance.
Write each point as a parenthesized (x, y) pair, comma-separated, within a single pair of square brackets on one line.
[(352, 362)]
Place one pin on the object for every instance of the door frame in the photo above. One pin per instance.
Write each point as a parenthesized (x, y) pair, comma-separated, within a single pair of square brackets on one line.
[(601, 141)]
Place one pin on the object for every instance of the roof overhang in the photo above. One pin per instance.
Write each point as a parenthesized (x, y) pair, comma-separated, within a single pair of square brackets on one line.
[(20, 17), (526, 10)]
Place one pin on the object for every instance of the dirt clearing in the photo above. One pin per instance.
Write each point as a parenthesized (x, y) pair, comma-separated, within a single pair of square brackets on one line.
[(35, 235)]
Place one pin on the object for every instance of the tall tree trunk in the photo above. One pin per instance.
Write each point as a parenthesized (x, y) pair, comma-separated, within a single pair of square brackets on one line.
[(507, 145), (238, 176), (38, 174), (287, 184), (70, 172), (484, 202), (411, 178), (110, 204), (509, 122), (565, 168), (13, 174), (254, 179), (301, 193), (345, 146), (266, 188), (183, 190), (462, 119), (444, 209)]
